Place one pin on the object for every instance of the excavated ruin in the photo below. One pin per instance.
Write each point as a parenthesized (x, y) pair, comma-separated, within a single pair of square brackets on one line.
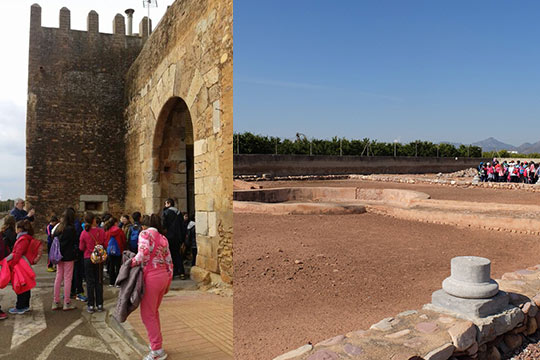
[(398, 203)]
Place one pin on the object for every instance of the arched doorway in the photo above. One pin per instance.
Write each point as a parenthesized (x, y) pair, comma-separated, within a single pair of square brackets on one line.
[(173, 155)]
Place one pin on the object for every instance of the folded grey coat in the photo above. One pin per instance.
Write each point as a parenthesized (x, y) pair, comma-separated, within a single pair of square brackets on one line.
[(131, 282)]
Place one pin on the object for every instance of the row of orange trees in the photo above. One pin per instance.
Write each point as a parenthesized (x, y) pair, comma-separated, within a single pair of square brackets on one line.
[(6, 205), (248, 143)]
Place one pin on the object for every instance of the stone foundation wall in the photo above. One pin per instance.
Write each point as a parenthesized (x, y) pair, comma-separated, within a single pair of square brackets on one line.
[(397, 203), (188, 59), (298, 165), (432, 335)]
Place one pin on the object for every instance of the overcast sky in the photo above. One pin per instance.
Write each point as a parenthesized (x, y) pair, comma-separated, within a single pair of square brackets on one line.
[(14, 28)]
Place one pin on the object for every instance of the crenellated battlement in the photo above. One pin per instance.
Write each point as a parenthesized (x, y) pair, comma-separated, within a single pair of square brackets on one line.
[(108, 112), (76, 82), (92, 22), (65, 19)]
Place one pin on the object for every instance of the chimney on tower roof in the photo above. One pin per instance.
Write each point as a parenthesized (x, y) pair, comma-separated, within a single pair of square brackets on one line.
[(129, 13)]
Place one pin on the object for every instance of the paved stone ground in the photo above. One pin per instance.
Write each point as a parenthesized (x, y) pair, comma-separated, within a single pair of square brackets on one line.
[(195, 325), (45, 334)]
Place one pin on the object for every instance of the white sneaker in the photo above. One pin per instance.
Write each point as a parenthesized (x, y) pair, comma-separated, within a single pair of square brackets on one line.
[(69, 306), (156, 355)]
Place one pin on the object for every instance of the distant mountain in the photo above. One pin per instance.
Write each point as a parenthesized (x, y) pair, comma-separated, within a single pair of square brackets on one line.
[(492, 144), (529, 148), (523, 147)]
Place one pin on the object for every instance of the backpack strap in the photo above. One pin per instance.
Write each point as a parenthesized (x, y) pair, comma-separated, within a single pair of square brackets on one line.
[(93, 237)]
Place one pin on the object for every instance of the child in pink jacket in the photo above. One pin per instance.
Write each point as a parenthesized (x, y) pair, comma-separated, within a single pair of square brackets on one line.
[(153, 253)]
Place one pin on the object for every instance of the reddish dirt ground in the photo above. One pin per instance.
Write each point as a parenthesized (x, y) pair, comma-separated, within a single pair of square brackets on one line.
[(301, 279)]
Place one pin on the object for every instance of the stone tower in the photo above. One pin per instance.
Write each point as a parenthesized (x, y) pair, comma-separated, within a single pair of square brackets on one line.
[(120, 122)]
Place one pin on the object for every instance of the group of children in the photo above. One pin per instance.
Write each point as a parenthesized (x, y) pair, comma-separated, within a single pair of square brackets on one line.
[(17, 251), (76, 239), (514, 172), (79, 248), (16, 238)]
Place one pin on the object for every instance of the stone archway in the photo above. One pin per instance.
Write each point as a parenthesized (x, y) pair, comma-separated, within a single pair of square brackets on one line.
[(165, 77), (172, 155)]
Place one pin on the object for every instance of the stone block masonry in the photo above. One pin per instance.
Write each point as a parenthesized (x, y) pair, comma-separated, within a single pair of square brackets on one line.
[(469, 290), (75, 124), (430, 334), (183, 76), (137, 119)]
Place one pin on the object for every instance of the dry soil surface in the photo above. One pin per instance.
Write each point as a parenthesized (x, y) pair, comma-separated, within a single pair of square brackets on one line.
[(306, 278)]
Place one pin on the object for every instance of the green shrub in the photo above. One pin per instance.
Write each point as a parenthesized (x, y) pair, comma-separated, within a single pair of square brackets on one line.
[(248, 143)]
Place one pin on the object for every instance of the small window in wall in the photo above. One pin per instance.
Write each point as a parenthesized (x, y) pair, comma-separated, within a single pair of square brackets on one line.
[(93, 206), (94, 203)]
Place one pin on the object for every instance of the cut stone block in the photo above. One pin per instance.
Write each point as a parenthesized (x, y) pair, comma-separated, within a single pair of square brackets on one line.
[(463, 335), (212, 224), (442, 353), (471, 269), (471, 308), (470, 278), (201, 223), (489, 327), (469, 290)]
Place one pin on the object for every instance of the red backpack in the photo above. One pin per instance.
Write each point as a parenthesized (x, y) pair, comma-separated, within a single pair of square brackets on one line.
[(34, 251), (3, 247)]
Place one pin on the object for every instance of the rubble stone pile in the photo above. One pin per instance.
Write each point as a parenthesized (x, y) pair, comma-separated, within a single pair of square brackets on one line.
[(471, 172)]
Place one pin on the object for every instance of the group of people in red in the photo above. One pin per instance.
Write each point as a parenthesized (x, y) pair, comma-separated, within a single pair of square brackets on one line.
[(81, 249), (513, 171), (16, 252)]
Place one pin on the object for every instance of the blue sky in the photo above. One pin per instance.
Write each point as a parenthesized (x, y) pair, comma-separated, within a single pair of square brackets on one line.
[(458, 71)]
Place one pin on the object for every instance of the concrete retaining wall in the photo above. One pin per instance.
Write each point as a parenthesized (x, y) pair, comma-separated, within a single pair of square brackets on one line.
[(294, 165)]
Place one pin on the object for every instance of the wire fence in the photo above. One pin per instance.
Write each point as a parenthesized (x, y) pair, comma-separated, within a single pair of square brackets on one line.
[(248, 143)]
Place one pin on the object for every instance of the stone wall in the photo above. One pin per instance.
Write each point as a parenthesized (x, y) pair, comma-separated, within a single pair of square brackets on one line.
[(433, 335), (75, 133), (185, 66), (119, 123), (295, 165)]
